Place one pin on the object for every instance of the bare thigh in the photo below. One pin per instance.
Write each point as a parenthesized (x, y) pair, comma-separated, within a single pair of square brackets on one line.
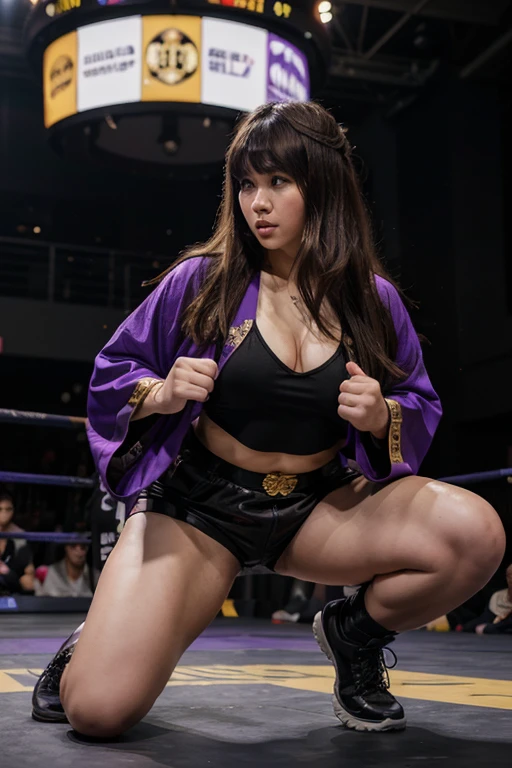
[(364, 530), (164, 582)]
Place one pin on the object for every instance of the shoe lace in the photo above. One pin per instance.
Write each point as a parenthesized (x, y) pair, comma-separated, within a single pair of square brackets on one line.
[(53, 672), (373, 671)]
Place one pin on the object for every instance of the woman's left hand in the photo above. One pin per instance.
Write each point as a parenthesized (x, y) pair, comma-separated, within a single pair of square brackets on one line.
[(362, 404)]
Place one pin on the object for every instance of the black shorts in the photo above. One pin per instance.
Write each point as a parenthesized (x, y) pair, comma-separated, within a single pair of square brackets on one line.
[(255, 516)]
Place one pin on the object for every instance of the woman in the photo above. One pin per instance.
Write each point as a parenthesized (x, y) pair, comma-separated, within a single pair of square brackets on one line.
[(224, 412)]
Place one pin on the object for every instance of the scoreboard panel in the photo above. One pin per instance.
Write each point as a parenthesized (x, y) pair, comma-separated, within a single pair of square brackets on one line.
[(153, 69)]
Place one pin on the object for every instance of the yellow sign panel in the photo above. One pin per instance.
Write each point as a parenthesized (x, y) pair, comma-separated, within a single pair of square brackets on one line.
[(171, 58), (59, 79)]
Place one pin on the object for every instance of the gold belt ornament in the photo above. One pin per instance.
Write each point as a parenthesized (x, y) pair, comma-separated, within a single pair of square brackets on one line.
[(277, 482)]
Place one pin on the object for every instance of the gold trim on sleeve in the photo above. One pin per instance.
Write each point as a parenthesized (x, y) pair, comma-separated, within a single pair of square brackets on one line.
[(395, 431), (238, 333), (141, 391)]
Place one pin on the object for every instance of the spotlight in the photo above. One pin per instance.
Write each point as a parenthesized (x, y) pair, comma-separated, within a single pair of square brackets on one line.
[(325, 6), (326, 17), (170, 138), (171, 146), (37, 230)]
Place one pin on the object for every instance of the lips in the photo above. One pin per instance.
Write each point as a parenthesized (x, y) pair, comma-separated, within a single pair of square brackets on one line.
[(264, 224), (266, 231)]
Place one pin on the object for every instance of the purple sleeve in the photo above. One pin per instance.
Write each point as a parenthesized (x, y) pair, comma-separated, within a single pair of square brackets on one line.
[(415, 408), (143, 346)]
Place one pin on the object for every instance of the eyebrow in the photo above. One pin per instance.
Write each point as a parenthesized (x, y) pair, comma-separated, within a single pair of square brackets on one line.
[(274, 172)]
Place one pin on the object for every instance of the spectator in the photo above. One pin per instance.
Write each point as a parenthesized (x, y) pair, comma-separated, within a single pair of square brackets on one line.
[(306, 599), (70, 576), (16, 566), (497, 619)]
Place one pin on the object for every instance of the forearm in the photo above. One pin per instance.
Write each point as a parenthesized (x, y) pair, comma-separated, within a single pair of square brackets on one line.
[(27, 582)]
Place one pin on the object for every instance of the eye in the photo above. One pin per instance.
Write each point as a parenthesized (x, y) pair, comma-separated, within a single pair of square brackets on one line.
[(244, 183), (279, 178)]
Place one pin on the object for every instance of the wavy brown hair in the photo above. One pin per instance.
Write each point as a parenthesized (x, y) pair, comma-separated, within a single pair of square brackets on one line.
[(336, 261)]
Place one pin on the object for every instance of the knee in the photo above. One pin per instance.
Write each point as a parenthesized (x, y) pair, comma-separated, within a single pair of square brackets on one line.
[(99, 716), (474, 534)]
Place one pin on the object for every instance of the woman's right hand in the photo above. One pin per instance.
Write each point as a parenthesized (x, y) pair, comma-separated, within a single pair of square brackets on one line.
[(190, 378)]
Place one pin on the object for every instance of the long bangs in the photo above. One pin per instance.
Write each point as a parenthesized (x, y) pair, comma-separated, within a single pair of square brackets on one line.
[(268, 146)]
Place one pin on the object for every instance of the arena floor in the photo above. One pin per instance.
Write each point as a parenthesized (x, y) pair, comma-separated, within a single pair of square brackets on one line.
[(248, 693)]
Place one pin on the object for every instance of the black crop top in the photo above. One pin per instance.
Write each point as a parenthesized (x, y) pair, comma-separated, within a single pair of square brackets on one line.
[(268, 407)]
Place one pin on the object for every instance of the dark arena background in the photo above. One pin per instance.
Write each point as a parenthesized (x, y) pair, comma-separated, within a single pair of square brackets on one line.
[(115, 116)]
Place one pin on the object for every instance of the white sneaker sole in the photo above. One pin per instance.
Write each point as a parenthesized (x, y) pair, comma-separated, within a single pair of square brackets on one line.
[(348, 720)]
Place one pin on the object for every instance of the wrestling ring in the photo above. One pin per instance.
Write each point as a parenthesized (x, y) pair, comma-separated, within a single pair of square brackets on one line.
[(250, 693)]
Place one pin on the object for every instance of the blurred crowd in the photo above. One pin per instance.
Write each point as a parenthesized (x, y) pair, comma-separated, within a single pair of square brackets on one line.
[(49, 570)]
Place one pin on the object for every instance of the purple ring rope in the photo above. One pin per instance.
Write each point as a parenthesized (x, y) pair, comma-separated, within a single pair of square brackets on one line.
[(29, 477), (10, 416), (56, 536)]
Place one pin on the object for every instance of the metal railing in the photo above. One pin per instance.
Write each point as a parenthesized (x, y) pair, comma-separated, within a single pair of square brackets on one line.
[(73, 274)]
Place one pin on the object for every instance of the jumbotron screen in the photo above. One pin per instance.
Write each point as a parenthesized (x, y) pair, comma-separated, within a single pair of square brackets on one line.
[(169, 58)]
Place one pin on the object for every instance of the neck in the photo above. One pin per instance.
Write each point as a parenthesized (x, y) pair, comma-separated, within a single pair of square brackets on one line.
[(279, 264), (73, 571)]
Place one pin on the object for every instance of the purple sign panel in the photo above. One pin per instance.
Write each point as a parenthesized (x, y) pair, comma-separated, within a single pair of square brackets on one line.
[(288, 72)]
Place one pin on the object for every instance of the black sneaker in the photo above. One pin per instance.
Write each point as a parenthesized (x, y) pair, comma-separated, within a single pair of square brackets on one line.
[(361, 698), (46, 704)]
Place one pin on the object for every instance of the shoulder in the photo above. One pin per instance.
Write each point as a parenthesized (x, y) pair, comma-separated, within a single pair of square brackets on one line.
[(181, 282), (186, 270), (13, 528), (387, 292), (392, 300), (56, 571)]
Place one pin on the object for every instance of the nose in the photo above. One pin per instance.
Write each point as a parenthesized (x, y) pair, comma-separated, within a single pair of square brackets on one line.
[(261, 202)]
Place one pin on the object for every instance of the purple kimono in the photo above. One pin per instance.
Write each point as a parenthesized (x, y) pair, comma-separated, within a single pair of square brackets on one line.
[(150, 340)]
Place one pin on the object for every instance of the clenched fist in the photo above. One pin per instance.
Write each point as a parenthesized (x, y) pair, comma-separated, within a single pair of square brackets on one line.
[(361, 402), (189, 379)]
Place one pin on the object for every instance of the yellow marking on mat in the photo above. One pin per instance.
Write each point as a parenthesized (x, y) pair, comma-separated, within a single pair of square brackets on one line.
[(228, 609), (9, 684), (451, 689)]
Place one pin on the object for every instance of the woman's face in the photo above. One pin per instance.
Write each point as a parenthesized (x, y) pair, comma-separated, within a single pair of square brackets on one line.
[(76, 554), (276, 199), (6, 513)]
